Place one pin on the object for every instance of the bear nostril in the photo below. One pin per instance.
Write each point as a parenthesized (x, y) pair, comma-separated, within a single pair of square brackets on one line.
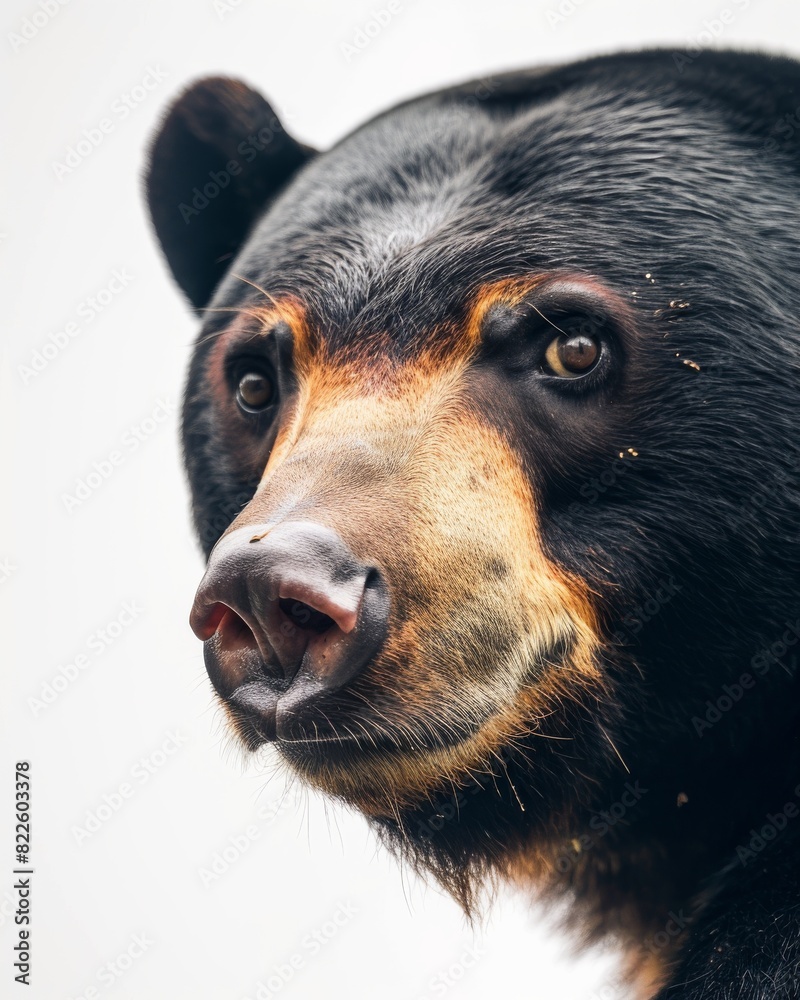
[(231, 631), (305, 617), (234, 632), (294, 612), (204, 619)]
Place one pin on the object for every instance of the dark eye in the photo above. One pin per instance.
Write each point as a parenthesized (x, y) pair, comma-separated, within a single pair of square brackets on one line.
[(255, 391), (571, 355)]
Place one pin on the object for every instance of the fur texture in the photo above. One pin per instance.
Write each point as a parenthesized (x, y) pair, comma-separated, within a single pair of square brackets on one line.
[(590, 680)]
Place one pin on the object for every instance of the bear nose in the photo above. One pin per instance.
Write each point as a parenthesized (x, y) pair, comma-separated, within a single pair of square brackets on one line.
[(287, 613)]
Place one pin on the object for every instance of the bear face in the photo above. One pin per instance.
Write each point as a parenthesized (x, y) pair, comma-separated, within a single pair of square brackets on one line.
[(490, 429)]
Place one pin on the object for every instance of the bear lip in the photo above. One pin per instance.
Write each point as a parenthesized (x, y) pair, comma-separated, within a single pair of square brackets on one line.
[(288, 716)]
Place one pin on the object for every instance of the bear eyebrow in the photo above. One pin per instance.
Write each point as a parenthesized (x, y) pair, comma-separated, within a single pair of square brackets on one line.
[(575, 290), (258, 320), (237, 311), (285, 308), (539, 312)]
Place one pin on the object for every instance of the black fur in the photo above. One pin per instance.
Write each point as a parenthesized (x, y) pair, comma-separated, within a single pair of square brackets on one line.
[(218, 158), (678, 186)]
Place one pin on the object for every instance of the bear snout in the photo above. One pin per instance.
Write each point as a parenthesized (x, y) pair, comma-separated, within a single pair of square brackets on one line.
[(288, 615)]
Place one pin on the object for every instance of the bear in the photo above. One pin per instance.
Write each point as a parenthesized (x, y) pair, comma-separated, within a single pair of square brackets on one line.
[(491, 434)]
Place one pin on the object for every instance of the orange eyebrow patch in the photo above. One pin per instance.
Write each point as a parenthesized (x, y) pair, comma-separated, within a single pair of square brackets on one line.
[(507, 291), (447, 341), (583, 290), (291, 311)]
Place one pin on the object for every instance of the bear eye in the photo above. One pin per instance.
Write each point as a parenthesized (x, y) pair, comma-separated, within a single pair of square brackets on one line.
[(572, 355), (255, 391)]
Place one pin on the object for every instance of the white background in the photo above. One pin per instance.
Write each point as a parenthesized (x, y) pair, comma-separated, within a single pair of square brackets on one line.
[(68, 573)]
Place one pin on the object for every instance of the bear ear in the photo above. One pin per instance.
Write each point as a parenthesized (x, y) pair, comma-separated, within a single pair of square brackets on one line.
[(221, 153)]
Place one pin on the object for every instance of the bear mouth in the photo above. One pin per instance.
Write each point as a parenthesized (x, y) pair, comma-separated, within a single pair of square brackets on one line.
[(335, 726), (316, 732)]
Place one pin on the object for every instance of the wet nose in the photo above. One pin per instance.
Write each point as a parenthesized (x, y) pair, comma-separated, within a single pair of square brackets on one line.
[(287, 614)]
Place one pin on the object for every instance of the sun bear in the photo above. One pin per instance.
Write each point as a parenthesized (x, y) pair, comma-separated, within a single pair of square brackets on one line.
[(491, 432)]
